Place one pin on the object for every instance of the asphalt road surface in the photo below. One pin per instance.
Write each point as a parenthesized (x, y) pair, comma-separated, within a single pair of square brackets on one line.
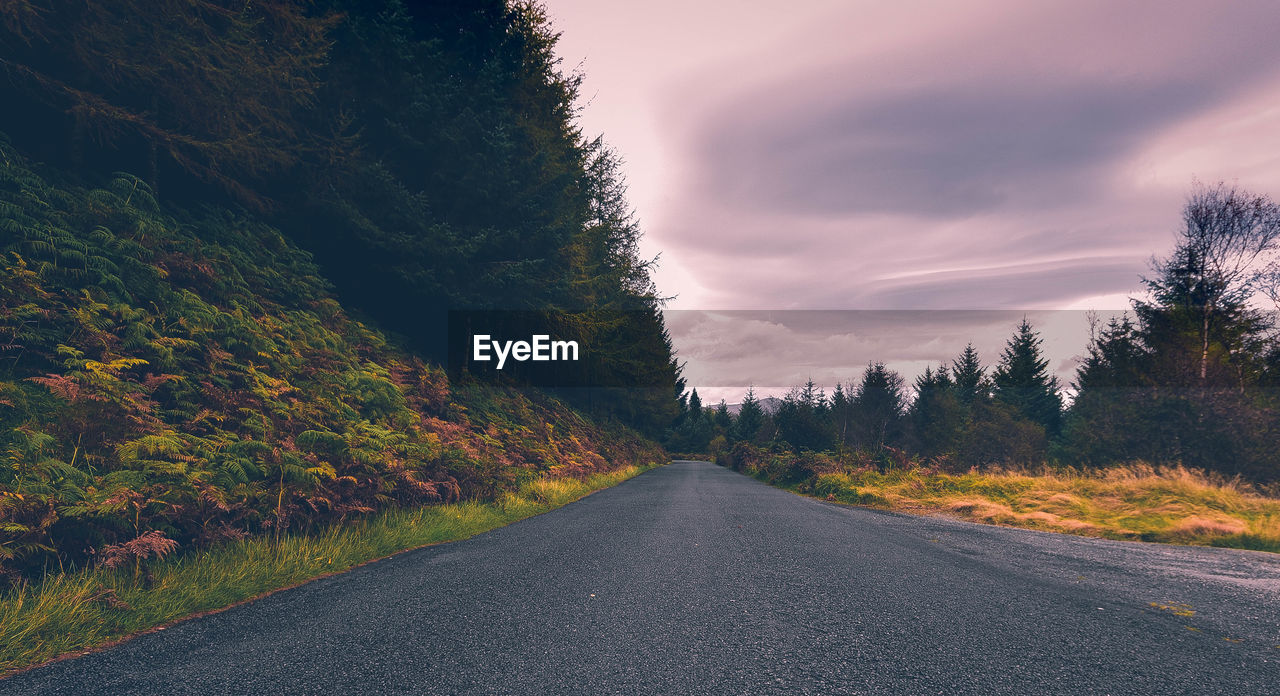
[(695, 579)]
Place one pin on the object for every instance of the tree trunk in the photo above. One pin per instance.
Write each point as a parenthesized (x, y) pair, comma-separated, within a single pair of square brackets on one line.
[(1204, 345)]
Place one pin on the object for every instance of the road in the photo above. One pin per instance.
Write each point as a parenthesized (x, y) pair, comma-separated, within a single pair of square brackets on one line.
[(695, 579)]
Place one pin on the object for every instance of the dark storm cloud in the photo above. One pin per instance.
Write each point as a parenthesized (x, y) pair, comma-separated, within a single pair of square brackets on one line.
[(1010, 117), (943, 151)]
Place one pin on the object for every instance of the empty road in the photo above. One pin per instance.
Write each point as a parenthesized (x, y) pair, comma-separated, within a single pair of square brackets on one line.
[(695, 579)]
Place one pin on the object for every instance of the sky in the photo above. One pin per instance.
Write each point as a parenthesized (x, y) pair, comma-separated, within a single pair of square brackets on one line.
[(908, 156)]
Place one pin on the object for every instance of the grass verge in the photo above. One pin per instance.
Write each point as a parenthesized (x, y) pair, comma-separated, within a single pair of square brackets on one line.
[(75, 612), (1137, 502), (1134, 502)]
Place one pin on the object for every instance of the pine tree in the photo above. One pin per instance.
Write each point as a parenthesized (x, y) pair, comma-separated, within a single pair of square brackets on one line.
[(750, 417), (841, 413), (218, 90), (878, 406), (721, 417), (1116, 357), (970, 377), (1023, 382), (936, 414), (1110, 419), (803, 419), (812, 396), (695, 406)]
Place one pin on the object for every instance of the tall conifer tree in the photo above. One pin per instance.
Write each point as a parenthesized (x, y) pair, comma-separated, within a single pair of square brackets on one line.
[(1022, 380)]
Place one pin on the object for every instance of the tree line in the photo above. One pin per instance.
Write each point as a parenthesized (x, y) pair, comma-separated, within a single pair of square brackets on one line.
[(230, 236), (1189, 375), (426, 153)]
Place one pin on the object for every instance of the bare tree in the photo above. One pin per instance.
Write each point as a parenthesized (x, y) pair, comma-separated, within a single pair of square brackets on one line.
[(1228, 251)]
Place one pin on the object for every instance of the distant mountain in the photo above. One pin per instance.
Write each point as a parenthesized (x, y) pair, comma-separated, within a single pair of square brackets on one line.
[(769, 404)]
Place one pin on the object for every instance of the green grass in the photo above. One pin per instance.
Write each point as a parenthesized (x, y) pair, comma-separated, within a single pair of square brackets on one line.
[(73, 612), (1138, 502)]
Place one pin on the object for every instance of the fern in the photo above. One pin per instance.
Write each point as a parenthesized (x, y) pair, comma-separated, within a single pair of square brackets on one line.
[(149, 446), (196, 374)]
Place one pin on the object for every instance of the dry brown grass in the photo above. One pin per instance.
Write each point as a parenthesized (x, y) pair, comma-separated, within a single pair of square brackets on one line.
[(1137, 501)]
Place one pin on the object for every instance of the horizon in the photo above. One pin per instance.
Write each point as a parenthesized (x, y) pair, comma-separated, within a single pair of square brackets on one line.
[(995, 156)]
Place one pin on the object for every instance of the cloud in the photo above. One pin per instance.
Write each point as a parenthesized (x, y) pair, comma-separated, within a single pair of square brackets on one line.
[(1004, 142), (1024, 113), (1023, 286), (999, 154), (941, 151)]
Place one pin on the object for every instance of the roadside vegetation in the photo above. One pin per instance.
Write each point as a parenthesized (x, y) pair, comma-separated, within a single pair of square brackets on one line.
[(72, 612), (231, 237), (1133, 502), (174, 382), (1167, 432), (1190, 376)]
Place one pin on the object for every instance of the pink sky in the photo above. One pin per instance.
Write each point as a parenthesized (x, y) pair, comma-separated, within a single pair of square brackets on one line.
[(912, 155)]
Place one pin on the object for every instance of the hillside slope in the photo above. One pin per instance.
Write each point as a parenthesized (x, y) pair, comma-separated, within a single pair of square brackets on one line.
[(171, 375)]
